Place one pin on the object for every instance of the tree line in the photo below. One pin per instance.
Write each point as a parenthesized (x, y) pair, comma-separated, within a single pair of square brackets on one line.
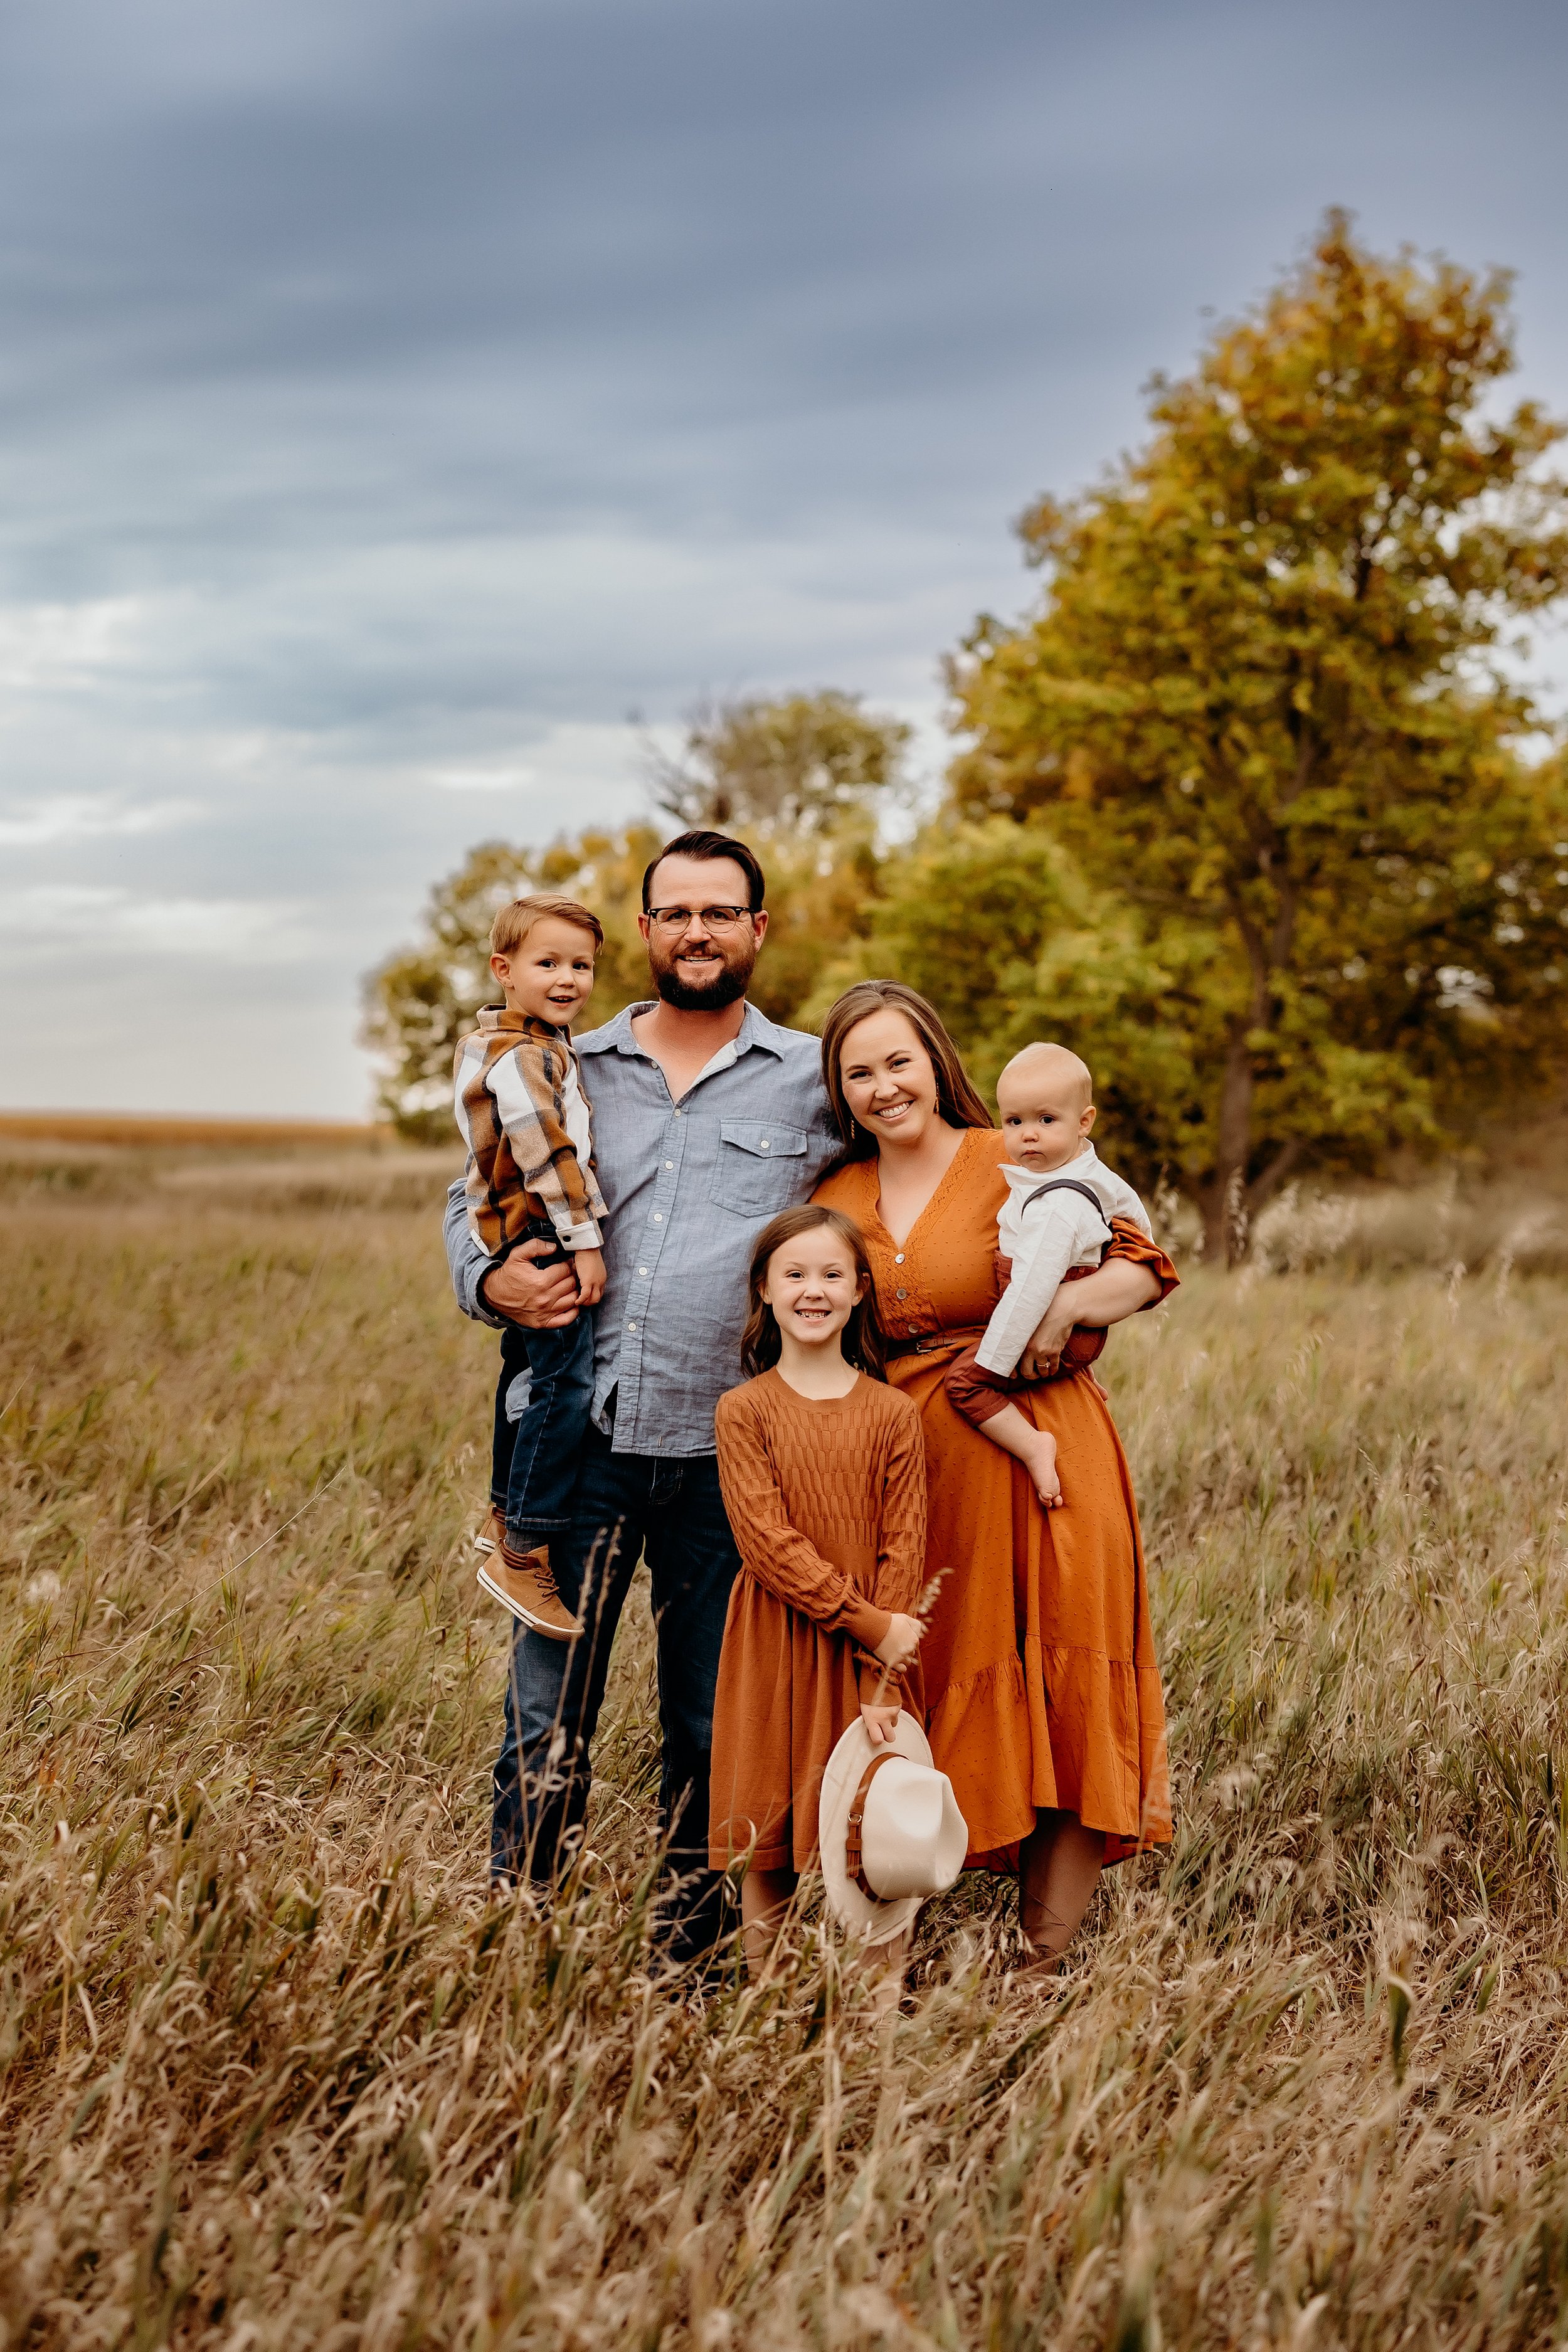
[(1254, 808)]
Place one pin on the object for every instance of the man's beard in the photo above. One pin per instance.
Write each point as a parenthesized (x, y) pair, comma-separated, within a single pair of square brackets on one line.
[(732, 977)]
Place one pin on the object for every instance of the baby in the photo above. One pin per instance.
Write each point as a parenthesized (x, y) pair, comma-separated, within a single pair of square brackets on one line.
[(530, 1177), (1056, 1218)]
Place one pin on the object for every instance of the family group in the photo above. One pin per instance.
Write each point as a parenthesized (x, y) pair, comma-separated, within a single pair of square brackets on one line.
[(788, 1318)]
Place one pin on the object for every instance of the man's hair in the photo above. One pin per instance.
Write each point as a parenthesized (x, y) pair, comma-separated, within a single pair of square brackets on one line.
[(711, 845), (514, 921)]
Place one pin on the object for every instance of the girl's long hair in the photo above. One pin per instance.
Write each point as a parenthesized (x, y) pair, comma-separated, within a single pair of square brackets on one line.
[(862, 1338), (956, 1100)]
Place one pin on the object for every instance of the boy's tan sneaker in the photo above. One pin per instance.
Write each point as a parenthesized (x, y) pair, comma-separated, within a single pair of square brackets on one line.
[(526, 1586), (492, 1534)]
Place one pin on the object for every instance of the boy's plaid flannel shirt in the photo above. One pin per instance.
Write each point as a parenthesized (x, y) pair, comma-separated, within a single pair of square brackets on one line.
[(524, 1118)]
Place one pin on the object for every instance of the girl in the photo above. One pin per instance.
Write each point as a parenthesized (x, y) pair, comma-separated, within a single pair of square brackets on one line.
[(823, 1469)]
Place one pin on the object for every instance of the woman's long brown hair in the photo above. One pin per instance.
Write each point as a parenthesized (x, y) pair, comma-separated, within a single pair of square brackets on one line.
[(956, 1100), (862, 1338)]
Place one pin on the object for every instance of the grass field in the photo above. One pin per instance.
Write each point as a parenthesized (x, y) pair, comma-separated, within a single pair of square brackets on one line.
[(274, 2076)]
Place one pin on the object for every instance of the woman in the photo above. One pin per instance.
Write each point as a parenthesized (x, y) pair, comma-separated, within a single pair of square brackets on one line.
[(1046, 1710)]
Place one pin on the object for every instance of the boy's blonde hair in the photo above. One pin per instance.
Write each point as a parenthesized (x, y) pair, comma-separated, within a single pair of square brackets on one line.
[(514, 921)]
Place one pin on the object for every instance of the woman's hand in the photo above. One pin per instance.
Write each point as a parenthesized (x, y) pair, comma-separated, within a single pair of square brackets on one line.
[(899, 1641), (1044, 1352), (881, 1725), (1115, 1290)]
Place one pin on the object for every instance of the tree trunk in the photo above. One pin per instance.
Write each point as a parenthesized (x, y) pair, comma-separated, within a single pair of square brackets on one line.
[(1226, 1205), (1223, 1200), (1264, 1186)]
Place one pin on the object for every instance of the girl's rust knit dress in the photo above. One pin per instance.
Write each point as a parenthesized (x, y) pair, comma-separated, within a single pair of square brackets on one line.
[(1038, 1660), (827, 1499)]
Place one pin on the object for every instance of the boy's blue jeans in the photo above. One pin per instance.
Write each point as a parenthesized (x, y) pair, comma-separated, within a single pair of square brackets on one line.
[(513, 1365), (533, 1470)]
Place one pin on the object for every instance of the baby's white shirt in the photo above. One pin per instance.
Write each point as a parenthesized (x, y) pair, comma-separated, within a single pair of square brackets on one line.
[(1061, 1231)]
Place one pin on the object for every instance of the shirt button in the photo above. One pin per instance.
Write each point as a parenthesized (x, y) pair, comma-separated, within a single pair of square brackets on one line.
[(899, 1259), (764, 1143), (659, 1216), (669, 1163), (903, 1294), (642, 1269), (631, 1326)]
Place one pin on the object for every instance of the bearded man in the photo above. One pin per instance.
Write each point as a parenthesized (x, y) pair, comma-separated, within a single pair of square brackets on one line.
[(708, 1120)]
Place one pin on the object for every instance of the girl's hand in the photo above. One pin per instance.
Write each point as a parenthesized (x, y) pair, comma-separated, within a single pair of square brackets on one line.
[(900, 1641), (881, 1725), (589, 1266)]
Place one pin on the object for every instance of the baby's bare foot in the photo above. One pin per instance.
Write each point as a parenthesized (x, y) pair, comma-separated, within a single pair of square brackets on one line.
[(1043, 1471)]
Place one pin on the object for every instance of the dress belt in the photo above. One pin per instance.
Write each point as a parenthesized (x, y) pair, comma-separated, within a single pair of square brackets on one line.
[(927, 1343)]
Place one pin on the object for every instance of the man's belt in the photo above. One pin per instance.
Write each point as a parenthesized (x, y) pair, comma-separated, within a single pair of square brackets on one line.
[(931, 1343)]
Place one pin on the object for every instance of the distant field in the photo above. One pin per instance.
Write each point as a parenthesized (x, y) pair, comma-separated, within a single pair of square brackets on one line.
[(273, 2079), (128, 1131)]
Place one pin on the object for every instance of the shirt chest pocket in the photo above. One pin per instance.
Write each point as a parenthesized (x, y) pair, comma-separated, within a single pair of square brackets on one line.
[(760, 1167)]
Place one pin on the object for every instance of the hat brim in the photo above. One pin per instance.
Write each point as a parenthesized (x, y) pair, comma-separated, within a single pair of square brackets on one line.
[(874, 1922)]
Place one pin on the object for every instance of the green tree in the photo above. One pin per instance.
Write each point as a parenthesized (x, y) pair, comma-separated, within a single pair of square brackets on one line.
[(1265, 707), (802, 765), (960, 914)]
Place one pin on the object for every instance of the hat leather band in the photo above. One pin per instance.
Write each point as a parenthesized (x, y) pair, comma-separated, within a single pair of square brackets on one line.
[(854, 1861)]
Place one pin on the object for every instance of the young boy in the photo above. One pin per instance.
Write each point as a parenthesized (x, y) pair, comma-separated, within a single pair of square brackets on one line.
[(1056, 1219), (524, 1118)]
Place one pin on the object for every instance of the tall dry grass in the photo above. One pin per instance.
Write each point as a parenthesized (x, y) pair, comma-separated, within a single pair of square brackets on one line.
[(274, 2076), (291, 1175), (1514, 1224)]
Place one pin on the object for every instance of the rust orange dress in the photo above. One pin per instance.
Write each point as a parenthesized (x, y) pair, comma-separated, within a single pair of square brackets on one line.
[(827, 1499), (1041, 1684)]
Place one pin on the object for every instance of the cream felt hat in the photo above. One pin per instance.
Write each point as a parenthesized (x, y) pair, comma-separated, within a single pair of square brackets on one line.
[(889, 1830)]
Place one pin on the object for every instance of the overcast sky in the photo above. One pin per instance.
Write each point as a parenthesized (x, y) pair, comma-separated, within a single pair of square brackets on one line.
[(397, 395)]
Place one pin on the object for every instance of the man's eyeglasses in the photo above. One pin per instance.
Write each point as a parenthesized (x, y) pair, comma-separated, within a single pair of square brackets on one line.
[(712, 918)]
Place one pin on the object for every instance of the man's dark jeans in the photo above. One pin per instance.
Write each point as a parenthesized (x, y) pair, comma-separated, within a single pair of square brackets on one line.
[(541, 1471), (628, 1505)]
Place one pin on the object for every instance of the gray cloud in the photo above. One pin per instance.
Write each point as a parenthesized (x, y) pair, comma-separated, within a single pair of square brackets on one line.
[(400, 391)]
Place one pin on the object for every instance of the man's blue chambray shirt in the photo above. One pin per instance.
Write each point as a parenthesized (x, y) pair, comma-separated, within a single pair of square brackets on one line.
[(689, 1186)]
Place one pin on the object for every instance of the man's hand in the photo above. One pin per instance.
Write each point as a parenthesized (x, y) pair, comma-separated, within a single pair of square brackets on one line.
[(540, 1297), (590, 1276), (881, 1725)]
